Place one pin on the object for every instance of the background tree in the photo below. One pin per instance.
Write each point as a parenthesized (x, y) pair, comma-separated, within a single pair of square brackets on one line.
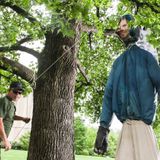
[(68, 27), (79, 136)]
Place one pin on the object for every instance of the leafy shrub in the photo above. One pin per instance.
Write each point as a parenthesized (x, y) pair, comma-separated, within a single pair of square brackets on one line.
[(84, 138), (22, 143), (112, 144), (79, 136), (90, 139)]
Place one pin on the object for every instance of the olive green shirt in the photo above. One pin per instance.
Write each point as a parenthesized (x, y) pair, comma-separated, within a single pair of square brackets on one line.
[(7, 112)]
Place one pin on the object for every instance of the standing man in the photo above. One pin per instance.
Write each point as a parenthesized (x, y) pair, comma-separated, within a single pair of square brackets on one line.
[(130, 94), (7, 112)]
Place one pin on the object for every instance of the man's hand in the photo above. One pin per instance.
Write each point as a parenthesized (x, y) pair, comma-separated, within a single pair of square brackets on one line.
[(3, 136), (101, 142), (7, 145), (26, 120)]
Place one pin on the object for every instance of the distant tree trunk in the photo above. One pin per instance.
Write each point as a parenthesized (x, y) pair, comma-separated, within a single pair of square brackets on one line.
[(52, 124)]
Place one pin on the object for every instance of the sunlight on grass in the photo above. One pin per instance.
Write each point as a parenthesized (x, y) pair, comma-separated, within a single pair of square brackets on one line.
[(13, 155), (80, 157), (22, 155)]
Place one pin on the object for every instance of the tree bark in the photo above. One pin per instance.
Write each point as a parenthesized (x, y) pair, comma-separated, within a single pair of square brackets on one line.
[(17, 68), (52, 124)]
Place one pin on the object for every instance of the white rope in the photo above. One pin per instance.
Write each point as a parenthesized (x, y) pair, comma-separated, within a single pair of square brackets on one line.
[(21, 128), (35, 79), (19, 132), (66, 51)]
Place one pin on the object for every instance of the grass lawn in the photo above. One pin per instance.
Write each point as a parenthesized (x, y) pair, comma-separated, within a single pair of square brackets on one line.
[(80, 157), (13, 155), (21, 155)]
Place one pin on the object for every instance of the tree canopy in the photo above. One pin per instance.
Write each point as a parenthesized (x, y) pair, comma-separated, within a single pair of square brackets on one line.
[(77, 36), (23, 22)]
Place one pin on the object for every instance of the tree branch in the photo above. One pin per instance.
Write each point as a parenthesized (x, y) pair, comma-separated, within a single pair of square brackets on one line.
[(108, 32), (17, 68), (29, 50), (90, 40), (142, 4), (97, 11), (18, 46), (91, 29), (18, 10), (86, 28), (83, 72), (26, 39)]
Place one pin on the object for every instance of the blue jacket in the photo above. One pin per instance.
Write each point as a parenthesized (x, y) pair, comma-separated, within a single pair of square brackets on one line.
[(131, 87)]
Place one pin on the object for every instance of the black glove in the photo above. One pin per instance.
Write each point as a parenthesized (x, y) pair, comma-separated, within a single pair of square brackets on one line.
[(101, 142)]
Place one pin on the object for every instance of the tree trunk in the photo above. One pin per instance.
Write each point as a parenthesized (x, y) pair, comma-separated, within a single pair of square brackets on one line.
[(52, 124)]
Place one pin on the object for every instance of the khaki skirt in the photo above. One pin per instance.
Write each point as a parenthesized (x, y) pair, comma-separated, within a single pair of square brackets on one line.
[(137, 142)]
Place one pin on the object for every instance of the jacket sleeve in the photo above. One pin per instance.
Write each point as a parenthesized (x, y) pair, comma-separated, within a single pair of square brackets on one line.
[(154, 72), (107, 113)]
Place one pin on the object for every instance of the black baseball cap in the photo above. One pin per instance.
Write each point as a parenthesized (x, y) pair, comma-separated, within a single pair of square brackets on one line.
[(16, 86)]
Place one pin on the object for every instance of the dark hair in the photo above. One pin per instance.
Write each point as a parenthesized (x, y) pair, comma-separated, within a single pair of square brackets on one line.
[(128, 17)]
